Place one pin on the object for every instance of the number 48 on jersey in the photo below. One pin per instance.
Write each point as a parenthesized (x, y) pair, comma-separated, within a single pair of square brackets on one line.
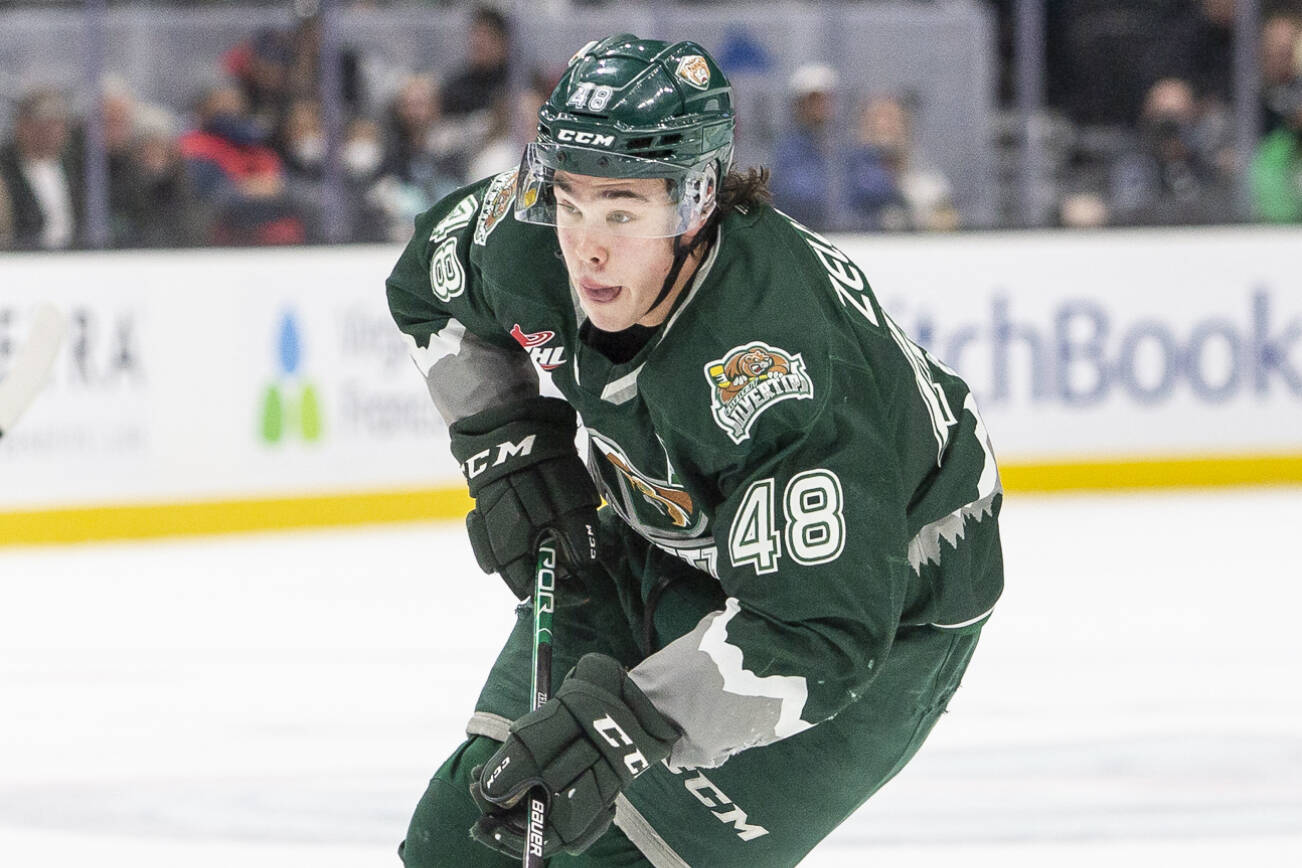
[(812, 526)]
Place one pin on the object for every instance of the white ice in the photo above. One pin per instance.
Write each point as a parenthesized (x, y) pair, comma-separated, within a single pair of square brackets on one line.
[(279, 700)]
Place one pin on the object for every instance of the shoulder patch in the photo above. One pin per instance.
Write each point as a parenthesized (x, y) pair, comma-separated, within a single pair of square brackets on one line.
[(497, 201), (751, 378)]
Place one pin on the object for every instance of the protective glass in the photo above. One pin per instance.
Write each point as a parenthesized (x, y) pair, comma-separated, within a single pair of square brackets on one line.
[(550, 194)]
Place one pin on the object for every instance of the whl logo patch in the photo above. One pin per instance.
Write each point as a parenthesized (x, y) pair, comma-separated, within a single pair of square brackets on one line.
[(545, 357), (290, 404), (751, 378)]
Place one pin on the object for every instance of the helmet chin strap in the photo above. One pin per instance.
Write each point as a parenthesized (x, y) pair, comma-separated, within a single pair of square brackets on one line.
[(681, 254)]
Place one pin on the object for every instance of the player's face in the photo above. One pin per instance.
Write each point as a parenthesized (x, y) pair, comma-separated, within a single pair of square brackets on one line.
[(616, 271)]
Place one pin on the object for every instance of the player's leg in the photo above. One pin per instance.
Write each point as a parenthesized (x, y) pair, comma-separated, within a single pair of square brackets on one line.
[(439, 832), (770, 806)]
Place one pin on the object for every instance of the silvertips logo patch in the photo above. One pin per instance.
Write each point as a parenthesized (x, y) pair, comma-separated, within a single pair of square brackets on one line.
[(694, 70), (751, 378)]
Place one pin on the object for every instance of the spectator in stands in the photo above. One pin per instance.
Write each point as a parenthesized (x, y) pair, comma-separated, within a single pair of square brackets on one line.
[(1170, 177), (1281, 36), (1277, 165), (117, 107), (362, 156), (1103, 55), (1211, 52), (304, 66), (239, 178), (301, 142), (514, 123), (42, 174), (259, 65), (161, 210), (420, 167), (802, 158), (889, 185), (363, 150), (487, 69)]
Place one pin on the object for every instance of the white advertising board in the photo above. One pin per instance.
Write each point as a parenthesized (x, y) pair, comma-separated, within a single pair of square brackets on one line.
[(195, 375), (200, 375), (1108, 345)]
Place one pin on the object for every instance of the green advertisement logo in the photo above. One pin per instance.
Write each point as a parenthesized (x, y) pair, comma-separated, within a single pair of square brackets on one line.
[(290, 404)]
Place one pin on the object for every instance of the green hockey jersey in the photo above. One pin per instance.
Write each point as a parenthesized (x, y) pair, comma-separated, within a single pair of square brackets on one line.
[(778, 432)]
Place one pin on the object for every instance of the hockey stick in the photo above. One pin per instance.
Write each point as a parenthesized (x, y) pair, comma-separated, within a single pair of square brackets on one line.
[(31, 366), (544, 589)]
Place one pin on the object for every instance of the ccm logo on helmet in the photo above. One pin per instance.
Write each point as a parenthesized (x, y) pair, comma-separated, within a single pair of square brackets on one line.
[(582, 137)]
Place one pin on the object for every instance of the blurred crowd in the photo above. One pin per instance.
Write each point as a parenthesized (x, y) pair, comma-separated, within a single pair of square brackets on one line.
[(1143, 117), (1140, 97), (247, 164)]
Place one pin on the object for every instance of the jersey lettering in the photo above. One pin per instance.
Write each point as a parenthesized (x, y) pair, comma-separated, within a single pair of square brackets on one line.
[(933, 396), (847, 280), (850, 285)]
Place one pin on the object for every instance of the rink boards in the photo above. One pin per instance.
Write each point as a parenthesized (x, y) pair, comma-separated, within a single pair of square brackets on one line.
[(226, 390)]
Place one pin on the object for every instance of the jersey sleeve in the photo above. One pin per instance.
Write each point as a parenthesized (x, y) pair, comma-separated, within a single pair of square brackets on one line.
[(441, 303)]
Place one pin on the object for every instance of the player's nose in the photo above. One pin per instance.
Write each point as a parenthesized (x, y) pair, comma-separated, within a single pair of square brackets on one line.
[(592, 247)]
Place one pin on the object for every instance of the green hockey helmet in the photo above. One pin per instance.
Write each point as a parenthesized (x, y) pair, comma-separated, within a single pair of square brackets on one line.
[(633, 108)]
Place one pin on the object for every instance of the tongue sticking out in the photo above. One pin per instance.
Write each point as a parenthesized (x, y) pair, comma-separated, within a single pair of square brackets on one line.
[(601, 293)]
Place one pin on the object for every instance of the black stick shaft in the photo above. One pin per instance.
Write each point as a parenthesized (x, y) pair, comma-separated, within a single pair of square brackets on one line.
[(544, 591)]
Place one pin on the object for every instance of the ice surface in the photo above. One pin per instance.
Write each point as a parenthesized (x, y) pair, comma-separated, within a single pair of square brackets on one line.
[(280, 699)]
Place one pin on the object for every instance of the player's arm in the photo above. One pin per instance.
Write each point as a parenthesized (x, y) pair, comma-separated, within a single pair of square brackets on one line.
[(515, 448), (437, 299)]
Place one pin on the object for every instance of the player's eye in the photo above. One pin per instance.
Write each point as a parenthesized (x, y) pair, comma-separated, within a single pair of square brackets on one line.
[(620, 218), (567, 213)]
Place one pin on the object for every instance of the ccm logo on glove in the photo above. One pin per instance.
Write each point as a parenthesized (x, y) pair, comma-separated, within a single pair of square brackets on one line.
[(526, 478), (488, 784), (478, 463), (608, 729)]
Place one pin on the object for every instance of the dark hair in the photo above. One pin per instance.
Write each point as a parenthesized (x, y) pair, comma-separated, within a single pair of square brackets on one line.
[(744, 189), (492, 19)]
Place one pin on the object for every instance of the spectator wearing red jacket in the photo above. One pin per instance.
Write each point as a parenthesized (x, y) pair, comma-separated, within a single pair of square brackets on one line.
[(240, 180)]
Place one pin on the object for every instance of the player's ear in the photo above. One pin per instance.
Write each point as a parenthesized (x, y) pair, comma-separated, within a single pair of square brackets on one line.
[(704, 190), (698, 223)]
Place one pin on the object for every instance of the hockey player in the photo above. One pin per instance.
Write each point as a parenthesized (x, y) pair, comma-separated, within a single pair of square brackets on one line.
[(799, 543)]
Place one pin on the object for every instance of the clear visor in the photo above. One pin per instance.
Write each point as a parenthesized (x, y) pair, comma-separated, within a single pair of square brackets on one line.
[(584, 188)]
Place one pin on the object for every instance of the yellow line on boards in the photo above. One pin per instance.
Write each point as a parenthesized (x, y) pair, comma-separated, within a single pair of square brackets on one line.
[(142, 521), (1140, 473), (149, 520)]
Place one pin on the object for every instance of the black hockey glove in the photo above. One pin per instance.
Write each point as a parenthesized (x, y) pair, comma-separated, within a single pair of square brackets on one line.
[(526, 477), (584, 745)]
